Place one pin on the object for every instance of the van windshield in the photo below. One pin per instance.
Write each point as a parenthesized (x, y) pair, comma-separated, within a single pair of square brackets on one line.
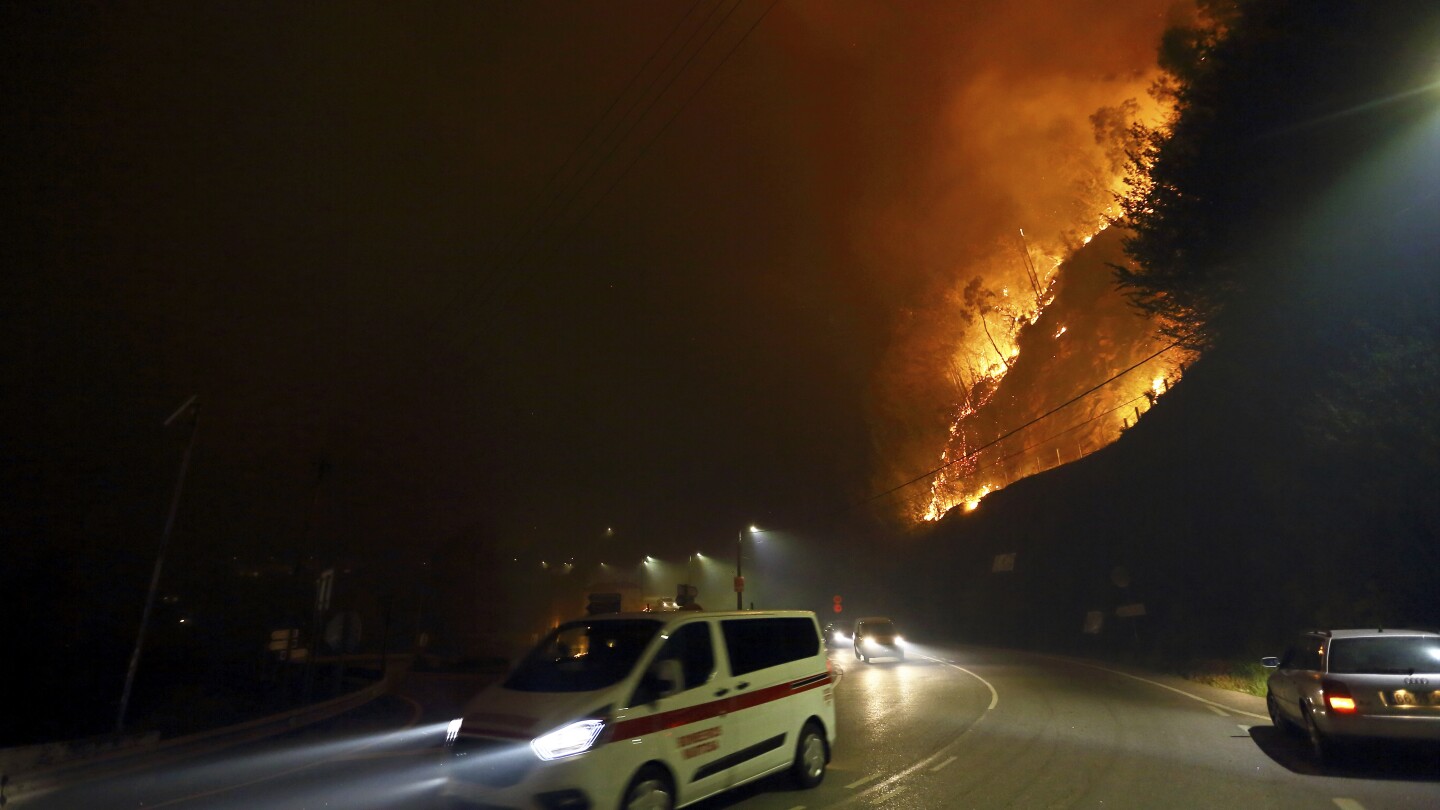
[(583, 656)]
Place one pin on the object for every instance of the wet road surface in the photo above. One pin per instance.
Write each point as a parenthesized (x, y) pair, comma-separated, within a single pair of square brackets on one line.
[(946, 728)]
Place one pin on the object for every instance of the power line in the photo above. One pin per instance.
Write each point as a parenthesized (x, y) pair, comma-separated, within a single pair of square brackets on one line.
[(1005, 436), (1028, 448), (676, 114), (539, 215), (534, 234)]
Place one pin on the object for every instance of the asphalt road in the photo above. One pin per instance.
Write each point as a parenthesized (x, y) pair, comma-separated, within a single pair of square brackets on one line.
[(947, 728)]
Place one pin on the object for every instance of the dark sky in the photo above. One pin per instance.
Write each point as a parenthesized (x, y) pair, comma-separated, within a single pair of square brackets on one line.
[(363, 234)]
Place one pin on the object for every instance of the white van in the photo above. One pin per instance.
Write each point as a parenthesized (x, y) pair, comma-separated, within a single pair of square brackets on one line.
[(648, 710)]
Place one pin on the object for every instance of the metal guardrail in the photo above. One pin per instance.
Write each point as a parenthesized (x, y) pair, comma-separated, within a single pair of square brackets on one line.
[(41, 778)]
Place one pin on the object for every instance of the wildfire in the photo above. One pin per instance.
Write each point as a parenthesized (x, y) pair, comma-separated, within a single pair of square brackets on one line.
[(1023, 342), (993, 441)]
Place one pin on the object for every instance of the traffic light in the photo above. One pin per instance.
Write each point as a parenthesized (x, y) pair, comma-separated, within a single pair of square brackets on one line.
[(838, 607)]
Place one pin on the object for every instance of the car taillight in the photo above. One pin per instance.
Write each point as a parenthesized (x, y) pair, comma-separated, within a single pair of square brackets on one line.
[(1337, 697)]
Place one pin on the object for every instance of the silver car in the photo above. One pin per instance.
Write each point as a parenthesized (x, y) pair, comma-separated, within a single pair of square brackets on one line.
[(1335, 685)]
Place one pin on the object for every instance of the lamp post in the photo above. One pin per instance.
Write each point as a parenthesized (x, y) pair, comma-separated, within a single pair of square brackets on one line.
[(739, 579)]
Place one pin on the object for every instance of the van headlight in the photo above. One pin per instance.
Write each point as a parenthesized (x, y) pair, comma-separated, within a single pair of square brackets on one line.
[(899, 641), (567, 741)]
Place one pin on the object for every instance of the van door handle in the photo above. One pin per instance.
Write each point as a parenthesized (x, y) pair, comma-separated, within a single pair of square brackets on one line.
[(722, 693), (742, 685)]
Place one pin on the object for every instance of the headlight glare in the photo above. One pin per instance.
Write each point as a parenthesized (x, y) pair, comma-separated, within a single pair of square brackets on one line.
[(453, 730), (567, 741)]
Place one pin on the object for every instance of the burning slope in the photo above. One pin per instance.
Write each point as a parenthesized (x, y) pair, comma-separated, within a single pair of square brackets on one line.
[(1009, 324), (1017, 418)]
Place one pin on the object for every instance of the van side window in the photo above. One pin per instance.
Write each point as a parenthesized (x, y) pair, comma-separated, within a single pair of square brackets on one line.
[(691, 646), (755, 644)]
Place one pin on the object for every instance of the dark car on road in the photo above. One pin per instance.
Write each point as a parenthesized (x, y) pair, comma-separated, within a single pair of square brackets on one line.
[(1341, 685)]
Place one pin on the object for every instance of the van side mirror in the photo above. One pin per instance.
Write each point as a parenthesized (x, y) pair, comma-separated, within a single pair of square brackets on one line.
[(663, 679), (668, 677), (1270, 662)]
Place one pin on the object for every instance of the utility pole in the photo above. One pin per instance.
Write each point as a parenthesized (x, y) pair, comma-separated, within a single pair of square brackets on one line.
[(191, 406), (324, 585)]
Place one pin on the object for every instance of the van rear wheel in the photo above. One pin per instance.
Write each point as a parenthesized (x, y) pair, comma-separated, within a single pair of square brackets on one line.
[(810, 757), (650, 790)]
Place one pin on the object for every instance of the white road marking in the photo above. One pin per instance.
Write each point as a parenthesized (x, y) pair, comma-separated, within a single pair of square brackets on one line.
[(893, 778), (1165, 686), (1217, 710), (994, 696), (1244, 727), (1348, 804), (798, 807), (858, 782), (943, 764)]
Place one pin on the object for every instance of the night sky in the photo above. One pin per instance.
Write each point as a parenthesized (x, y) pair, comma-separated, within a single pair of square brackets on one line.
[(518, 272)]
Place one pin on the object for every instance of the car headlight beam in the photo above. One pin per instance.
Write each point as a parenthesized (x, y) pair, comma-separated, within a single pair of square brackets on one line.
[(567, 741)]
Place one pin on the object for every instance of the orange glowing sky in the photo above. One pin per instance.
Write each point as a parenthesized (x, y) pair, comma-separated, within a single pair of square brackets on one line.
[(1015, 118)]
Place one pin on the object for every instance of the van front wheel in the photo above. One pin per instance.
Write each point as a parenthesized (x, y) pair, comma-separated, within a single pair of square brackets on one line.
[(650, 790), (809, 768)]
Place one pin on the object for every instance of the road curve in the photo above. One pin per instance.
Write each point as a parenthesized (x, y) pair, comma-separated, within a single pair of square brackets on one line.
[(950, 727)]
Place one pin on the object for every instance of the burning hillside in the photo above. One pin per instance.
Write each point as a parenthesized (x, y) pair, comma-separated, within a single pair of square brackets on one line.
[(1015, 353), (1064, 382)]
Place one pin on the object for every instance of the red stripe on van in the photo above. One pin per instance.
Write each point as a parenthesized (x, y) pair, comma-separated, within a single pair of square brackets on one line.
[(640, 726)]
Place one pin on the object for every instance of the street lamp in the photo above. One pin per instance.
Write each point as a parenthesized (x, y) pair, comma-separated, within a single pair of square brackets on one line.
[(739, 578)]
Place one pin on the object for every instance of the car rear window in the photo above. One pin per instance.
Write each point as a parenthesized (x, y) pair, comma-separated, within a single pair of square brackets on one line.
[(1400, 655)]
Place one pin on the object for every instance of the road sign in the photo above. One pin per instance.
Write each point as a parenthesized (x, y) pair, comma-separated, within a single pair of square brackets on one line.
[(324, 586), (1130, 611)]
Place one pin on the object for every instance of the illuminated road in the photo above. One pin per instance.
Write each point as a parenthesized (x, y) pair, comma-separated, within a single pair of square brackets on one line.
[(949, 728)]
